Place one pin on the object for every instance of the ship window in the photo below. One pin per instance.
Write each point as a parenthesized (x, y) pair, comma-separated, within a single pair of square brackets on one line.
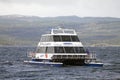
[(57, 31), (50, 38), (66, 38), (69, 50), (43, 39), (41, 50), (68, 31), (50, 50), (56, 38), (46, 38), (59, 50), (74, 38), (79, 50)]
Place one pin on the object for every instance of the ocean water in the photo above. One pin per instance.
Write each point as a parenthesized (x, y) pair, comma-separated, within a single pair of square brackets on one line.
[(13, 68)]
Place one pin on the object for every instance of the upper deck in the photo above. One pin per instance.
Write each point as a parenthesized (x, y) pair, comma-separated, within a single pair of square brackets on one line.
[(61, 31), (60, 41), (60, 35)]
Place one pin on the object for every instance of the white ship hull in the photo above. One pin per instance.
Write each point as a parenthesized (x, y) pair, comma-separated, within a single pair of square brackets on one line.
[(53, 64)]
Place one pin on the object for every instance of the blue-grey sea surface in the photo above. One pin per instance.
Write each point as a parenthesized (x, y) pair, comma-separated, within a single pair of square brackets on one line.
[(13, 68)]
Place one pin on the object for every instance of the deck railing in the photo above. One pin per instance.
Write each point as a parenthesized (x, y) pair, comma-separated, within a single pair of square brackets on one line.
[(89, 56), (69, 57)]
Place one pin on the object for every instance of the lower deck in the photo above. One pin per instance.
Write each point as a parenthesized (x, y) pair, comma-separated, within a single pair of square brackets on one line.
[(69, 59), (76, 62)]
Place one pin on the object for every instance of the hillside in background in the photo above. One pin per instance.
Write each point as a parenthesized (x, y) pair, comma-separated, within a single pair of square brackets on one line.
[(18, 30)]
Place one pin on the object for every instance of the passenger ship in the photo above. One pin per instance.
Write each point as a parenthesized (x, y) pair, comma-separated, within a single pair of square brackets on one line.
[(60, 47)]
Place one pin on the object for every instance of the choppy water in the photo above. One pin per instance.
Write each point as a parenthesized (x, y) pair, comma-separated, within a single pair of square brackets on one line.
[(13, 68)]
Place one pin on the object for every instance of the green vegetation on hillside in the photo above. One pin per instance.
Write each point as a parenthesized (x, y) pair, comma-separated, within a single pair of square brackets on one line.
[(26, 31)]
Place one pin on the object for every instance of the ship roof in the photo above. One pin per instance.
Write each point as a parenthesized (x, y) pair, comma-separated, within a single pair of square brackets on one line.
[(61, 31)]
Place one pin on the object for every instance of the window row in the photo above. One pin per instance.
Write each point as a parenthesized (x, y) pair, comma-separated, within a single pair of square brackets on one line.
[(58, 38), (61, 50)]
